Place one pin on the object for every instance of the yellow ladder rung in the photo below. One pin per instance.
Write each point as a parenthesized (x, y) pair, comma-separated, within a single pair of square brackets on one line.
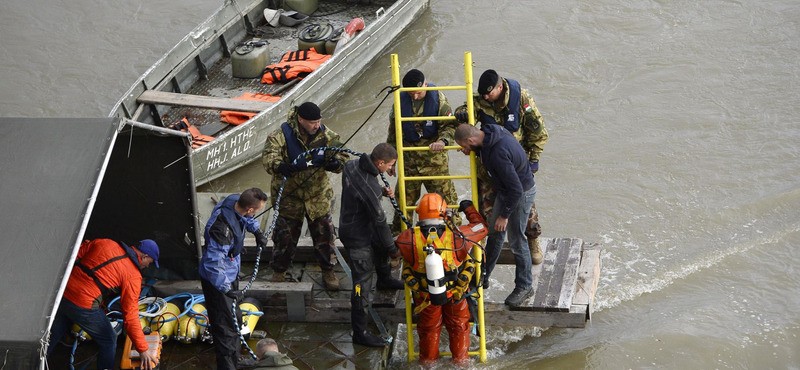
[(449, 177), (425, 148), (434, 118), (429, 88)]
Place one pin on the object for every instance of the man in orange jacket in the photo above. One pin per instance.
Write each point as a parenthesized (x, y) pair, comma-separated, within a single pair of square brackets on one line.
[(103, 269), (459, 267)]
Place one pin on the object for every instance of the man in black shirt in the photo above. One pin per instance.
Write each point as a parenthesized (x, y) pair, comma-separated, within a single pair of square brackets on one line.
[(366, 236)]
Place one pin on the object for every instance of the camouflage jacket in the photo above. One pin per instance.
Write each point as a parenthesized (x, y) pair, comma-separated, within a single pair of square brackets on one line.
[(532, 133), (309, 191), (426, 163)]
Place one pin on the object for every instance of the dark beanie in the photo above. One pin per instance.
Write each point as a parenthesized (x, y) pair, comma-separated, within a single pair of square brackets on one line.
[(487, 81), (309, 111), (414, 78)]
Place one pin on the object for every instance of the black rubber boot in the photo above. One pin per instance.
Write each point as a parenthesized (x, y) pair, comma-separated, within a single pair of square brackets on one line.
[(359, 317), (368, 339), (390, 284)]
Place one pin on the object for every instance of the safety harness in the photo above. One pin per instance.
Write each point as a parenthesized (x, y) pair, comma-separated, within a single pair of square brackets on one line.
[(457, 272), (106, 292)]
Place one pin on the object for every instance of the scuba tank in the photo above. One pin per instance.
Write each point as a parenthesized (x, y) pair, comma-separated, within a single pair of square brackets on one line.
[(314, 36), (434, 270)]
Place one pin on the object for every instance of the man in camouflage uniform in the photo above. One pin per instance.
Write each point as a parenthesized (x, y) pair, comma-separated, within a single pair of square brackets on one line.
[(308, 193), (433, 134), (502, 101)]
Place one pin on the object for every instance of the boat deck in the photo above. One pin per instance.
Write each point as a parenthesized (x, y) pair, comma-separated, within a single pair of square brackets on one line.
[(217, 79)]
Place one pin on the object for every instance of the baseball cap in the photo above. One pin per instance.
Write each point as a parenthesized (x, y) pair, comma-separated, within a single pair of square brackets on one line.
[(150, 248)]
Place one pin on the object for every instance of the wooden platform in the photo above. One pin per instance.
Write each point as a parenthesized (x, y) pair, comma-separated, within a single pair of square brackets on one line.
[(565, 285)]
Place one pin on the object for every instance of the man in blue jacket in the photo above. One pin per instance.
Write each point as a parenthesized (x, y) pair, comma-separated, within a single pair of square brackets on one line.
[(507, 164), (220, 264)]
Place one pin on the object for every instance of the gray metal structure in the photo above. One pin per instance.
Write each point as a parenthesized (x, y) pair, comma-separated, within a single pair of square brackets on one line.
[(67, 180), (200, 65)]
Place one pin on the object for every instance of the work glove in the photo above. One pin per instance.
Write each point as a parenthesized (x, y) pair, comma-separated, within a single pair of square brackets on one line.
[(534, 166), (236, 295), (261, 239), (462, 116), (466, 203), (287, 169), (396, 254), (332, 165)]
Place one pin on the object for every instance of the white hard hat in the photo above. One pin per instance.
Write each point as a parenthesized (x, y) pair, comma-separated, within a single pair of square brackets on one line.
[(272, 16)]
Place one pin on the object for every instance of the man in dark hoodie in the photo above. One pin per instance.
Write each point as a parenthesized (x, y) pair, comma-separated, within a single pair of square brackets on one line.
[(507, 164), (366, 236), (270, 358)]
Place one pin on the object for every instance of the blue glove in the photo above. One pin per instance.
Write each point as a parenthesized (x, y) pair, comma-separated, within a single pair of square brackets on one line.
[(534, 166)]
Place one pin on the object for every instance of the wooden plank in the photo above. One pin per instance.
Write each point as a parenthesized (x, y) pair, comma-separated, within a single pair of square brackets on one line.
[(199, 101), (536, 270), (588, 277), (554, 291), (570, 275), (540, 295), (260, 290)]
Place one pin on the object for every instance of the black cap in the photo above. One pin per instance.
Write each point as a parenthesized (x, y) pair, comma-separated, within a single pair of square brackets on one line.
[(309, 111), (414, 78), (487, 81)]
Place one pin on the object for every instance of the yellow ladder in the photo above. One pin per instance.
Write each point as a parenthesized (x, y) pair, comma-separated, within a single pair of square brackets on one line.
[(401, 185)]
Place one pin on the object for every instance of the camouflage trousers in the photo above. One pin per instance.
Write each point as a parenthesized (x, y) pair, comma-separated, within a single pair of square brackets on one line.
[(413, 190), (287, 233), (487, 195)]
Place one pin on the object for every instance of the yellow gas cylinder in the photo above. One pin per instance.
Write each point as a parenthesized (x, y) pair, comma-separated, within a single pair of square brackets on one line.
[(249, 321), (83, 335), (166, 323), (192, 326)]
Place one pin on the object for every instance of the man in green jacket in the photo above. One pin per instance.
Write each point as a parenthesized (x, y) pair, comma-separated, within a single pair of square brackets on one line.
[(433, 134), (308, 193), (269, 358), (503, 102)]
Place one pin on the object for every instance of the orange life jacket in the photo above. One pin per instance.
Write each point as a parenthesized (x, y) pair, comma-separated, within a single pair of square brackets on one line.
[(198, 139), (295, 64), (236, 117)]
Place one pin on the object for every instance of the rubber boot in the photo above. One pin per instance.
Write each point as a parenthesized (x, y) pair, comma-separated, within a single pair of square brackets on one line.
[(536, 251), (331, 281), (429, 328), (361, 335), (390, 284)]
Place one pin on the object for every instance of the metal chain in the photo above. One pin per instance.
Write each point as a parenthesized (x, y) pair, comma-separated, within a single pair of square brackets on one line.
[(302, 157)]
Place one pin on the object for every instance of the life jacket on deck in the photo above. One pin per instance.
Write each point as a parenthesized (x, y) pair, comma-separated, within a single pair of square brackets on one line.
[(431, 109), (458, 265), (295, 64), (295, 148), (198, 139), (511, 122), (236, 118)]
